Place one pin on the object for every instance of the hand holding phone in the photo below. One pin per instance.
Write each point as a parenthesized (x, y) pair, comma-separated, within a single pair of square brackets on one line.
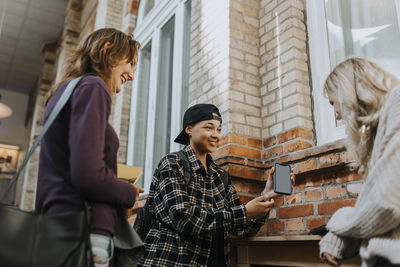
[(282, 179), (270, 190)]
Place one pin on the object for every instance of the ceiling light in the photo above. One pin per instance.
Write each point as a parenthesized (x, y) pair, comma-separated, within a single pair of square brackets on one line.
[(5, 111)]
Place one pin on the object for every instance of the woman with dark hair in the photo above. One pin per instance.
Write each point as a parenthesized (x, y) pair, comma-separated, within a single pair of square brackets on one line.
[(78, 154), (367, 98), (193, 217)]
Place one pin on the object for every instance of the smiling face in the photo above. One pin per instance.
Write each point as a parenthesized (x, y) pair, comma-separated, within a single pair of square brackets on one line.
[(120, 74), (204, 135)]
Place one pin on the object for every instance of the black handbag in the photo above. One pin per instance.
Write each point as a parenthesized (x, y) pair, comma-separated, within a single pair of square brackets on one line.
[(41, 240)]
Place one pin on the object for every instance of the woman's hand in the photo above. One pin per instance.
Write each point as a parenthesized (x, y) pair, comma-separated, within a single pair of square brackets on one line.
[(269, 186), (138, 190), (259, 207), (330, 260)]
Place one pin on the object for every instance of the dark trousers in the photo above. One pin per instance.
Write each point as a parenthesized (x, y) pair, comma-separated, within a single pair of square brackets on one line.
[(382, 262)]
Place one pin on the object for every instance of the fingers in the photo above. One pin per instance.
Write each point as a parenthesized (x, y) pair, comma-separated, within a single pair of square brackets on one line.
[(268, 204), (329, 259)]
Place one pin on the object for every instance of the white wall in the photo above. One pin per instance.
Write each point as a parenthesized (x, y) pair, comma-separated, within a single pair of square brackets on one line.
[(12, 129)]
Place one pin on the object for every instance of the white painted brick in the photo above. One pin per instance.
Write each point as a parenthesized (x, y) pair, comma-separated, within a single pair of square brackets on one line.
[(238, 117), (270, 5), (291, 100), (269, 98), (270, 120), (254, 121), (287, 113), (275, 129), (253, 100), (252, 79), (237, 75), (245, 109), (275, 107), (237, 96)]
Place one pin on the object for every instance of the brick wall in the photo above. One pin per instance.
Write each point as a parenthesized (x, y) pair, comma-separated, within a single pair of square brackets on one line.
[(268, 114), (285, 85)]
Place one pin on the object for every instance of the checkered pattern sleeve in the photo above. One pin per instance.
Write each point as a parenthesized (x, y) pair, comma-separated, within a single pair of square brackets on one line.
[(243, 226), (172, 207)]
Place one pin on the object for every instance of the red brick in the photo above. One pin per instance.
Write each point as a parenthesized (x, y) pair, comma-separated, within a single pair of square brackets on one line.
[(295, 225), (237, 139), (221, 152), (315, 222), (273, 152), (263, 228), (306, 166), (294, 198), (276, 227), (331, 207), (318, 150), (245, 199), (252, 142), (295, 146), (347, 176), (294, 133), (270, 141), (255, 188), (134, 7), (314, 195), (336, 192), (346, 157), (244, 152), (328, 160), (240, 186), (296, 211), (245, 172), (224, 140), (254, 163), (278, 201)]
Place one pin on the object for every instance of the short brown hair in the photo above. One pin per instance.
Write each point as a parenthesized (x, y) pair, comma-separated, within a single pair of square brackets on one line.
[(91, 57)]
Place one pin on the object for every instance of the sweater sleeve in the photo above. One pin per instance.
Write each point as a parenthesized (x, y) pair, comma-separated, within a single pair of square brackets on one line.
[(378, 210), (246, 226), (339, 247), (90, 108)]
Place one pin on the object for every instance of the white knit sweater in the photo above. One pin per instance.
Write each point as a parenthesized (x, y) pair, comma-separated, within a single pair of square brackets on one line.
[(372, 226)]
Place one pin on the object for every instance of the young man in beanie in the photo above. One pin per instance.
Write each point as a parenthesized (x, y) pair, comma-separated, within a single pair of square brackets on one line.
[(194, 217)]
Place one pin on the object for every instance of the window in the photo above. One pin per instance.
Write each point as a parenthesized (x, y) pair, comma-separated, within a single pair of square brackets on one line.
[(340, 29), (160, 92)]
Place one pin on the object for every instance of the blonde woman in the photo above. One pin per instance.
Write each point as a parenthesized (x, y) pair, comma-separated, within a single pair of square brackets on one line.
[(367, 98)]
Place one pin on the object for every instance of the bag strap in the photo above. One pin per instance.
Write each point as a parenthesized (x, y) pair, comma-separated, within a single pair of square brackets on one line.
[(54, 113), (187, 173)]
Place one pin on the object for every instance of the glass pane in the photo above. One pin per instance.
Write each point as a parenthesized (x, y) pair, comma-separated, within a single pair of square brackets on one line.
[(139, 150), (149, 4), (364, 28), (162, 129)]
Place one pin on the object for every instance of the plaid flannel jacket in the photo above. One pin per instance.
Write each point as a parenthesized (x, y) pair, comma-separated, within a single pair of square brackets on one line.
[(189, 215)]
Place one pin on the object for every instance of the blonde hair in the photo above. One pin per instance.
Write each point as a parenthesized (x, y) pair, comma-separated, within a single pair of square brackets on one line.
[(100, 52), (360, 87)]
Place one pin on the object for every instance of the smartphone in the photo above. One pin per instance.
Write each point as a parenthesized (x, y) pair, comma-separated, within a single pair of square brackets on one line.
[(282, 181)]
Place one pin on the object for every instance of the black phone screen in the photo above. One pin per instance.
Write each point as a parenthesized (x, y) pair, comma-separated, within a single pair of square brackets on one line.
[(282, 181)]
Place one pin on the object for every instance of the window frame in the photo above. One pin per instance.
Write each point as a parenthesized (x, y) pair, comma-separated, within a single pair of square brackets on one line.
[(325, 123), (149, 30)]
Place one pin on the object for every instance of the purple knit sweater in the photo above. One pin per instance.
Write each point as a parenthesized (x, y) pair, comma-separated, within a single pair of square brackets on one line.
[(78, 158)]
